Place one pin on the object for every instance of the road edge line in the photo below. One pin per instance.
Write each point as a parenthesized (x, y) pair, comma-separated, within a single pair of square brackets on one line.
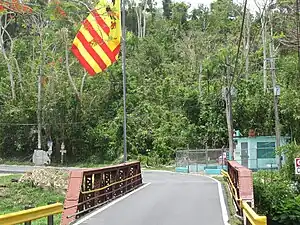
[(109, 205), (222, 202), (174, 172)]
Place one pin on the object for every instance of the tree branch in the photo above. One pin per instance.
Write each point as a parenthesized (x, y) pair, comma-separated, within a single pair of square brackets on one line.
[(65, 34)]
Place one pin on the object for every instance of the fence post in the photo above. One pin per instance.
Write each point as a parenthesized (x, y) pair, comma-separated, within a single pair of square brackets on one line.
[(50, 219), (28, 207)]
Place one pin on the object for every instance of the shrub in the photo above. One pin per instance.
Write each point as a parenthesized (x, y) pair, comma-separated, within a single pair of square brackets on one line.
[(291, 151), (275, 197)]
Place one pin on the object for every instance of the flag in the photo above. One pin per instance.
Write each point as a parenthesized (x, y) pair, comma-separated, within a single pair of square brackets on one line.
[(97, 43)]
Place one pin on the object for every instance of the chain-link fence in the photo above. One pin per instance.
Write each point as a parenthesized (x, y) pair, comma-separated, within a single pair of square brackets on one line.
[(200, 160), (213, 160)]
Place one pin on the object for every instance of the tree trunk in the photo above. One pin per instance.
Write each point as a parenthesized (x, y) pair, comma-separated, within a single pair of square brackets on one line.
[(144, 19), (264, 42), (200, 78), (144, 23), (9, 68), (82, 83), (19, 74), (65, 33), (6, 58), (138, 21)]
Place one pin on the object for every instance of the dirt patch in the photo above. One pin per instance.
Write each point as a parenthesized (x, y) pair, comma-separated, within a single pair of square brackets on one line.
[(56, 179)]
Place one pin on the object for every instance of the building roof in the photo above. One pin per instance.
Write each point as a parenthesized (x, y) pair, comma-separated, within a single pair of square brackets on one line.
[(259, 137)]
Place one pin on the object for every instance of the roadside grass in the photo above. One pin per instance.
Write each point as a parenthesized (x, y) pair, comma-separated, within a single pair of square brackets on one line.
[(233, 220), (88, 165), (15, 196), (15, 162)]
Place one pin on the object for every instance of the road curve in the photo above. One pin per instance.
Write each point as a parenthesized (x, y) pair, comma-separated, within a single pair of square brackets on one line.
[(170, 199)]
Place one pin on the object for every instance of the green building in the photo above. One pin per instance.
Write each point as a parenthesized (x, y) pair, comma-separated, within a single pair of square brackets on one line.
[(257, 152)]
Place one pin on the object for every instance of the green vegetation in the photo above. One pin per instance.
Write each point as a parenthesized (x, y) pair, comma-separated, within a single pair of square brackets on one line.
[(170, 104), (15, 196), (277, 193), (178, 63)]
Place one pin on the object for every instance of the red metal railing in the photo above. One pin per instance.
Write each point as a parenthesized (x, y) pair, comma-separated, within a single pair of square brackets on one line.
[(242, 180), (89, 189)]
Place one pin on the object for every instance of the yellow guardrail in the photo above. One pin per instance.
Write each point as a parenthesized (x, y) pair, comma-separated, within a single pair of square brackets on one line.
[(248, 212), (31, 214), (232, 188), (252, 217)]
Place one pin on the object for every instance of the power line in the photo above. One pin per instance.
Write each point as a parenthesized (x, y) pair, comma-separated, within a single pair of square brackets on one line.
[(239, 44)]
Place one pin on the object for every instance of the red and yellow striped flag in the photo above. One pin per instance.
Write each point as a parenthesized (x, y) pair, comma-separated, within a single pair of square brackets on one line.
[(97, 44)]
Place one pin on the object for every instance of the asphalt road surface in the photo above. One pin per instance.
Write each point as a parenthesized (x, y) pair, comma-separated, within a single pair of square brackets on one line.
[(170, 199)]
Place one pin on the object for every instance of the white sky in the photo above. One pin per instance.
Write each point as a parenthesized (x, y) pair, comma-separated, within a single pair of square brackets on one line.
[(195, 3)]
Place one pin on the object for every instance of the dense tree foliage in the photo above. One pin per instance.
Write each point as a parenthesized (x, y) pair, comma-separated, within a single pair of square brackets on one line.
[(171, 103)]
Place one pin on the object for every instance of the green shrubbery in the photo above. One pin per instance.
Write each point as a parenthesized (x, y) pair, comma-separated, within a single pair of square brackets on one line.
[(277, 192)]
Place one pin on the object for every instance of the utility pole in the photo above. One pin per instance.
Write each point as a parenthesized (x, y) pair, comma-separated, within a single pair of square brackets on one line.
[(228, 103), (228, 100), (124, 78), (276, 91), (39, 156), (264, 37), (39, 101), (246, 44), (39, 107)]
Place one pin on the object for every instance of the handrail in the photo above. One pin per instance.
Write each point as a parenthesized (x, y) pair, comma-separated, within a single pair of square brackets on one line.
[(248, 212), (112, 184), (92, 188), (31, 214)]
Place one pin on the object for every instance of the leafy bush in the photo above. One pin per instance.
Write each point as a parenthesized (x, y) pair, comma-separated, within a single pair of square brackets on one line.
[(291, 151), (276, 197), (151, 159), (288, 212)]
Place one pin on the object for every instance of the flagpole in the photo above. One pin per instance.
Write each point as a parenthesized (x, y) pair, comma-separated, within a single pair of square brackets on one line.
[(124, 76)]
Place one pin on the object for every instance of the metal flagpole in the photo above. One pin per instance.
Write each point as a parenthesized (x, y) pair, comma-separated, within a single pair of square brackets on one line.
[(124, 76)]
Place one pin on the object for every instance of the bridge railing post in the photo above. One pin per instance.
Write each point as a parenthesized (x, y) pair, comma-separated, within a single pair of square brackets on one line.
[(50, 218), (28, 207)]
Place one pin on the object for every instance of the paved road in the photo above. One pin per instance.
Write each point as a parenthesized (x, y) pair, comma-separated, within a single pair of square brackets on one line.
[(170, 199)]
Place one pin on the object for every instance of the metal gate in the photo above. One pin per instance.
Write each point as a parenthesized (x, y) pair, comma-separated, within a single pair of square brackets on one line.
[(198, 160)]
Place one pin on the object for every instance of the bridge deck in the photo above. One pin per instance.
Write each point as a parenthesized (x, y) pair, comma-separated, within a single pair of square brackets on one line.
[(169, 199)]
